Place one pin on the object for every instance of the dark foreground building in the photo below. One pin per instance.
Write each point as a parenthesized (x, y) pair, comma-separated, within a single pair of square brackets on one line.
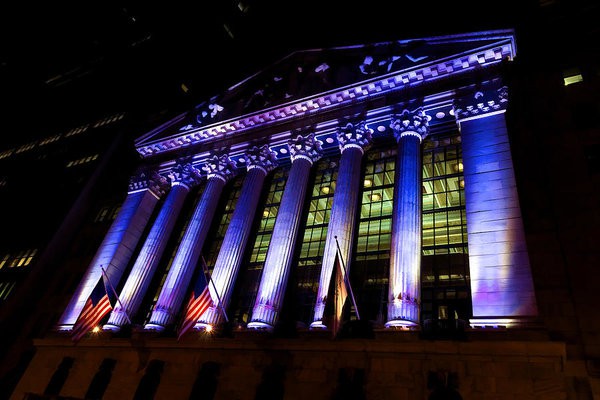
[(393, 165)]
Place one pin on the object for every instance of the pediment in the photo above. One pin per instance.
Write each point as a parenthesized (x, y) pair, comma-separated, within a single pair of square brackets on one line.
[(315, 79)]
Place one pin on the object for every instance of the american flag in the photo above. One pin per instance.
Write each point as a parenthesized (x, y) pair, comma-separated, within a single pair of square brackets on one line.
[(101, 302), (200, 301), (340, 295)]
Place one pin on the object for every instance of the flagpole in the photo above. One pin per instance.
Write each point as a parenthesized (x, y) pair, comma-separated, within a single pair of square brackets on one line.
[(346, 277), (116, 295), (205, 268)]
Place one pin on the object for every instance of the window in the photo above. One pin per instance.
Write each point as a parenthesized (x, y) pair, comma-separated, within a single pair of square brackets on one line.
[(83, 160), (370, 267), (313, 236), (572, 76), (21, 259), (107, 213), (444, 266), (6, 289)]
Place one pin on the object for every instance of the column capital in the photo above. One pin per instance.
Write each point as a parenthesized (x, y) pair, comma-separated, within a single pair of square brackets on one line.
[(355, 135), (410, 123), (261, 157), (219, 166), (149, 180), (480, 103), (307, 147), (184, 174)]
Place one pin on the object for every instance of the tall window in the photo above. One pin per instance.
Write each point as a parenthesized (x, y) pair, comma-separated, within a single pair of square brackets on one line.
[(445, 268), (313, 238), (215, 238), (369, 269), (249, 278)]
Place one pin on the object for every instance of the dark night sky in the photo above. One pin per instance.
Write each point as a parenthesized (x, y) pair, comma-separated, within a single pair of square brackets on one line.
[(62, 63)]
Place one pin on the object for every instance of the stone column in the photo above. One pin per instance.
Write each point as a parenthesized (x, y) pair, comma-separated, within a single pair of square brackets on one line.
[(410, 128), (353, 139), (260, 161), (304, 150), (183, 178), (119, 243), (219, 169), (502, 288)]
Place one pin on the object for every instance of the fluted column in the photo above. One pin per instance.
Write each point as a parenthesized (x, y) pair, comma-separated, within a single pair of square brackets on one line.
[(410, 128), (183, 177), (259, 161), (353, 139), (219, 170), (502, 289), (119, 243), (304, 150)]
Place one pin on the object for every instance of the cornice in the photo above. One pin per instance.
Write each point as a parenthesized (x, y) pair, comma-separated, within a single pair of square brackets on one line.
[(376, 87)]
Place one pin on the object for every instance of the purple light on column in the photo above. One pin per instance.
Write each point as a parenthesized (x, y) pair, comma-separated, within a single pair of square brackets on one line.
[(303, 152), (410, 128), (259, 161), (183, 177), (353, 139), (219, 168), (118, 244), (502, 290)]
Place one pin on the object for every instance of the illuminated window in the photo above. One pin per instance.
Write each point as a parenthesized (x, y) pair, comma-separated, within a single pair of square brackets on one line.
[(444, 266), (21, 259), (314, 234), (83, 160), (50, 139), (370, 266), (249, 277), (25, 147), (77, 131), (218, 234), (107, 213), (572, 76), (6, 153), (6, 289)]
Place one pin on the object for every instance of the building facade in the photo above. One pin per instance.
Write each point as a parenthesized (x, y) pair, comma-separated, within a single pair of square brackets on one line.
[(390, 164)]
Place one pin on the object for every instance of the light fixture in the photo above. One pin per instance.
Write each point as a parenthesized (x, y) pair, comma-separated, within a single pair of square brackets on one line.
[(368, 183), (325, 189), (375, 197)]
